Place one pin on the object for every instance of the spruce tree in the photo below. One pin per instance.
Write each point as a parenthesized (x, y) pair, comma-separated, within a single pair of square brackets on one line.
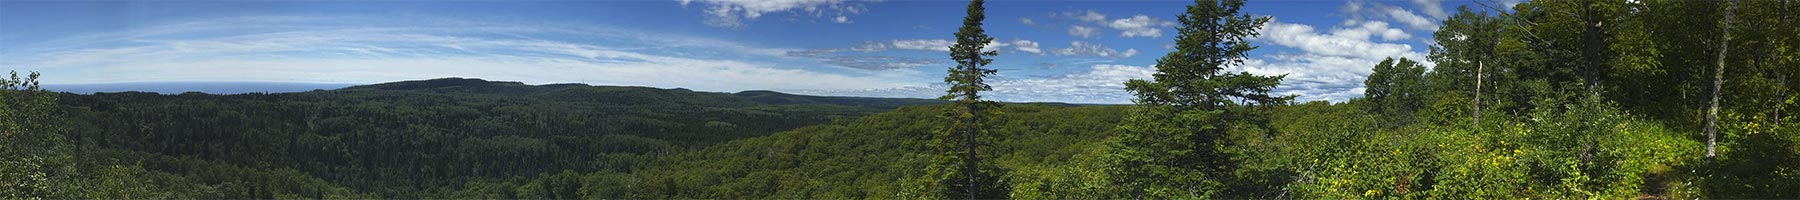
[(965, 174), (1170, 147)]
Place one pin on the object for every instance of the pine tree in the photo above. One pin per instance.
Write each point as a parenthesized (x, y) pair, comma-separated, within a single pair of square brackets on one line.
[(1170, 146), (965, 173)]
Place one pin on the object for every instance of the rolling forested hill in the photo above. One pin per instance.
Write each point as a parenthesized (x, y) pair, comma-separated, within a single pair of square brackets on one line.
[(1552, 100), (414, 138), (466, 138)]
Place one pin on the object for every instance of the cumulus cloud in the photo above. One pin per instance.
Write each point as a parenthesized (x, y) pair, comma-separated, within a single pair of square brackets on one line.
[(1026, 46), (1433, 8), (1103, 83), (1130, 27), (1083, 31), (1415, 21), (1027, 21), (1364, 29), (1369, 10), (734, 13), (1080, 48), (1346, 42), (1139, 26), (1330, 64), (1086, 16)]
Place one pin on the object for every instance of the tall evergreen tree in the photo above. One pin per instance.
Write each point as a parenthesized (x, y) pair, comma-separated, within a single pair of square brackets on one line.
[(967, 175), (1171, 146)]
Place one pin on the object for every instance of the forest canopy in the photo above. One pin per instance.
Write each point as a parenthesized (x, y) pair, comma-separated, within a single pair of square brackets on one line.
[(1610, 99)]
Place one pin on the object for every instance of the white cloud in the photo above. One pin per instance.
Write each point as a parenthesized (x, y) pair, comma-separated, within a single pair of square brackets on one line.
[(1026, 46), (1130, 27), (1510, 3), (360, 53), (1410, 19), (733, 13), (1433, 8), (1080, 48), (882, 62), (924, 44), (1330, 64), (1087, 16), (1139, 26), (1083, 31), (1363, 10), (1020, 45), (844, 58), (863, 62), (870, 47), (1027, 21), (1102, 83), (1365, 29), (1353, 42)]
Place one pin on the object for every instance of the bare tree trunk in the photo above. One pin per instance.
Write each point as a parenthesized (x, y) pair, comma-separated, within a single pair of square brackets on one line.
[(1712, 112), (1780, 99), (1479, 67), (1594, 44)]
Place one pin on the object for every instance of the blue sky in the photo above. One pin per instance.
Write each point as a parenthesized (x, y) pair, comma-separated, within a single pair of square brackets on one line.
[(1052, 51)]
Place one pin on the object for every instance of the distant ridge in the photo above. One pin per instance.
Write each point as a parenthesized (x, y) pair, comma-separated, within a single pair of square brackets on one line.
[(576, 91), (203, 87), (772, 97)]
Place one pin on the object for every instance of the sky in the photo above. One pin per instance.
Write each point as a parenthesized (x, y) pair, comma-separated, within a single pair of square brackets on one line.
[(1050, 51)]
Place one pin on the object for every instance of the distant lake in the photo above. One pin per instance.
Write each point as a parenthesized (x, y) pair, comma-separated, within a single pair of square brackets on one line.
[(204, 87)]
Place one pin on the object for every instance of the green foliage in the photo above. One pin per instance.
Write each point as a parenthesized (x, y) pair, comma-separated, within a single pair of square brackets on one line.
[(960, 164), (462, 138), (1575, 100), (961, 170), (881, 156), (122, 182), (1396, 89), (35, 160), (1171, 147)]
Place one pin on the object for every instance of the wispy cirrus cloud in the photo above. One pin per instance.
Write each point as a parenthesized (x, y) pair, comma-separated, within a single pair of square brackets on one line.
[(1100, 83), (735, 13), (346, 50), (1432, 13)]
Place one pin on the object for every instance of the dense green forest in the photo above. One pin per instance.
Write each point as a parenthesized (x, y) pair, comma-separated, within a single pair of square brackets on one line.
[(1548, 99), (412, 139)]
